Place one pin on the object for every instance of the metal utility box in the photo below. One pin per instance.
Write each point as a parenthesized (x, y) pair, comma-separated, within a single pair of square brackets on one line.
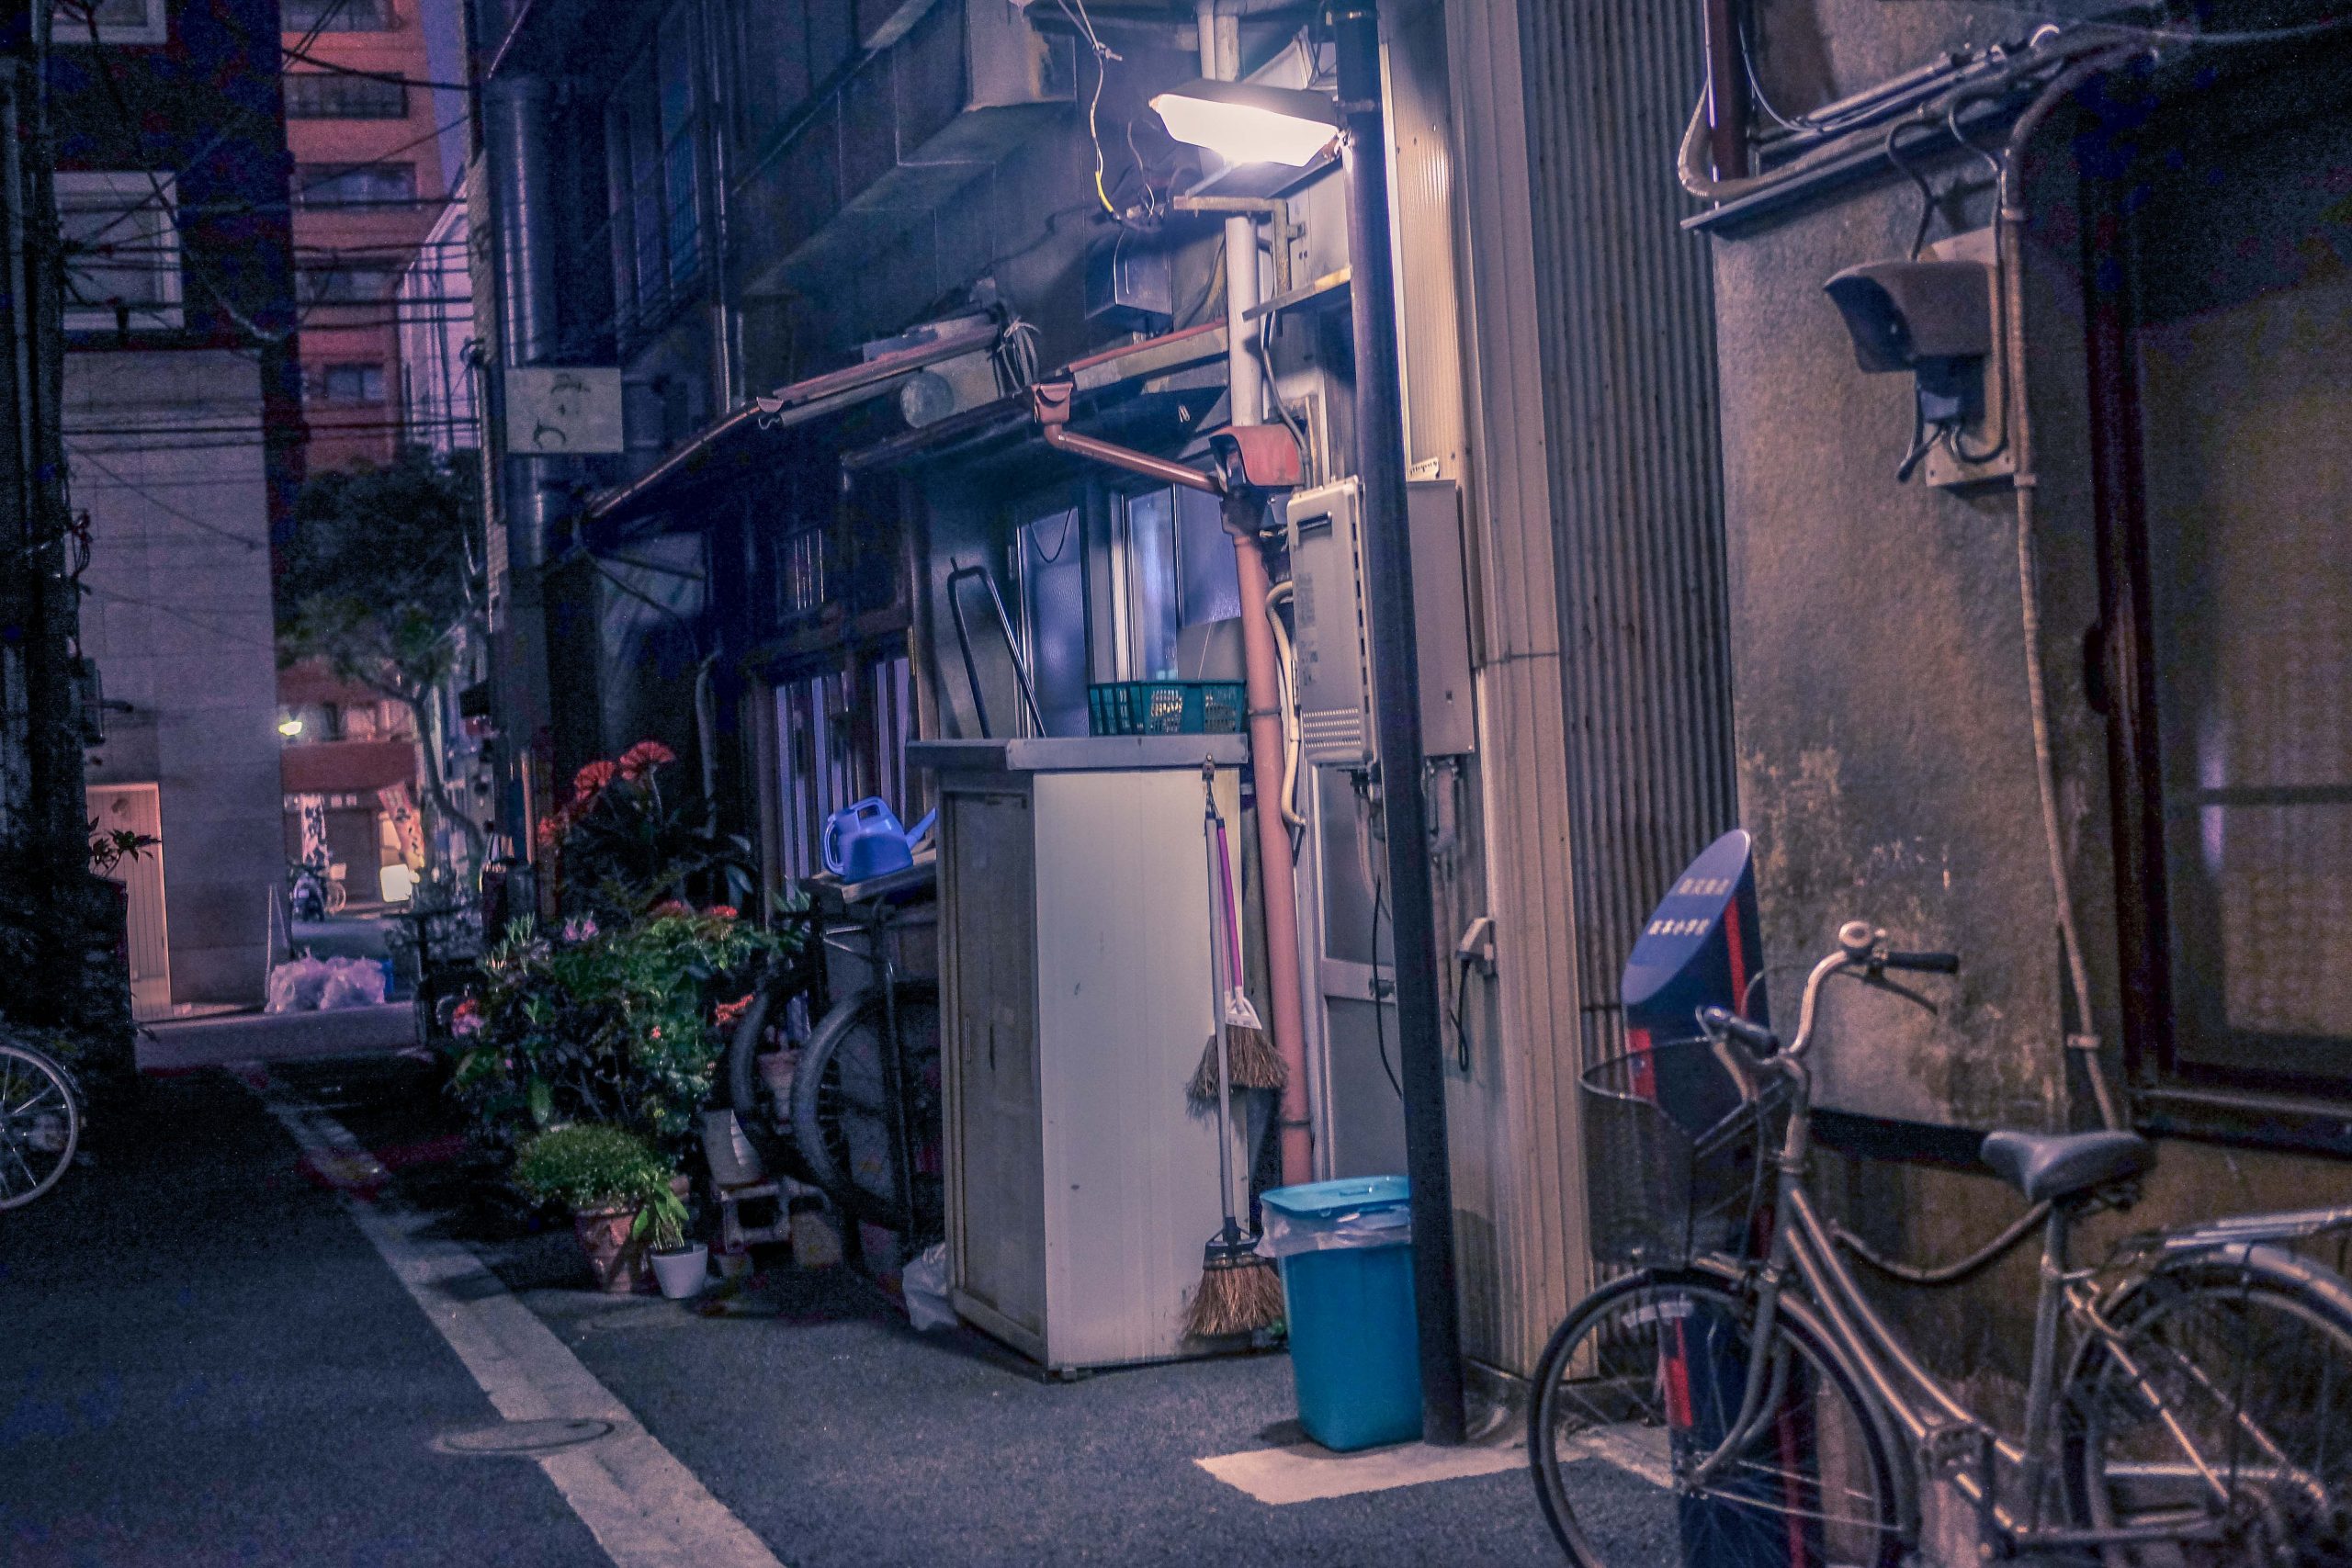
[(1334, 618), (1075, 930)]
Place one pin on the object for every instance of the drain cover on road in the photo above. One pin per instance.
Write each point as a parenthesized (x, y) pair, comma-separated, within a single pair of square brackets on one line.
[(521, 1436)]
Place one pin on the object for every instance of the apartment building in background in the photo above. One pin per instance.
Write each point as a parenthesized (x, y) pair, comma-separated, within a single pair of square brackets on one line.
[(183, 433), (376, 153)]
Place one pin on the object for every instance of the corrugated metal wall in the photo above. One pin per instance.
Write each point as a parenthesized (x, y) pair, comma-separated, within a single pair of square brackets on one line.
[(1517, 1120), (1630, 420)]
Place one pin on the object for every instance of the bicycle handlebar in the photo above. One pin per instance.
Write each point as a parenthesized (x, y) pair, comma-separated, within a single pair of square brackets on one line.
[(1755, 1036), (1861, 947)]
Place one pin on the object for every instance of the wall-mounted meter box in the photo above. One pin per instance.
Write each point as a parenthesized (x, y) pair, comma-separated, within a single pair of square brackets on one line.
[(1333, 614)]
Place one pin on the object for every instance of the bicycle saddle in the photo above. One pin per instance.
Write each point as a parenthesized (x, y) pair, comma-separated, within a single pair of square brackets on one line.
[(2060, 1165)]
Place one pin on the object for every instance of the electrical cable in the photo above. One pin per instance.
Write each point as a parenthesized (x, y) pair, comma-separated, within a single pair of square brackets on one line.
[(2222, 38), (157, 502), (331, 68)]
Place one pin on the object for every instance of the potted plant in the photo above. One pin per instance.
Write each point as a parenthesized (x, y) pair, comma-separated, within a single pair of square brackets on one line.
[(680, 1266), (609, 1179)]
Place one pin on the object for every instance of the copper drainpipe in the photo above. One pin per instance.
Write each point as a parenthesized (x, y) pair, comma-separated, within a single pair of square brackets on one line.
[(1256, 465)]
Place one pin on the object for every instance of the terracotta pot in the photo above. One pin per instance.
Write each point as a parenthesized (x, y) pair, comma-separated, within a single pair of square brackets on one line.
[(613, 1258)]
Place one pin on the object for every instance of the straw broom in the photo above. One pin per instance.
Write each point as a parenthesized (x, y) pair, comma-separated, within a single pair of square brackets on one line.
[(1239, 1291), (1250, 1059)]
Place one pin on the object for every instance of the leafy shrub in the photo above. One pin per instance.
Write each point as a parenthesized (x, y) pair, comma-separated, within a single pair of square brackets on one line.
[(592, 1167), (607, 1026)]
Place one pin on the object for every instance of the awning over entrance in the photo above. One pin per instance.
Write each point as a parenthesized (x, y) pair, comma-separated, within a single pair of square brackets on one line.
[(347, 767)]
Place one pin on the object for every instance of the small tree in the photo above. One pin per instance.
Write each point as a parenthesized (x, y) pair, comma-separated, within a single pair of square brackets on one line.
[(383, 577)]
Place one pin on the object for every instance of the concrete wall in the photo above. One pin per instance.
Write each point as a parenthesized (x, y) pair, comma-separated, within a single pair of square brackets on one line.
[(165, 450), (1887, 756)]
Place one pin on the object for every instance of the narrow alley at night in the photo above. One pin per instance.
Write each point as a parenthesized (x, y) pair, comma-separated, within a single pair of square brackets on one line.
[(796, 784)]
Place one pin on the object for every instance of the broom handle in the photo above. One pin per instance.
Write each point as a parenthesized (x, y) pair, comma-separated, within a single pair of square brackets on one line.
[(1209, 823), (1224, 902)]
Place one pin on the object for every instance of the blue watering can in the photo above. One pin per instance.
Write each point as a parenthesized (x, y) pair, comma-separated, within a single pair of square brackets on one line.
[(865, 840)]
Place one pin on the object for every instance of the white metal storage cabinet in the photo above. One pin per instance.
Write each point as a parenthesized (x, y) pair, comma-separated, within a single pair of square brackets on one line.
[(1075, 974)]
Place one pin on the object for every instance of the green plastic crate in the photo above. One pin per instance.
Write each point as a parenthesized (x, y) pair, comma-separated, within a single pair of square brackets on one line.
[(1166, 707)]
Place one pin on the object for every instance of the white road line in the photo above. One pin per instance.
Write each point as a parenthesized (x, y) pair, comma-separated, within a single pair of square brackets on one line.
[(645, 1508), (1307, 1473)]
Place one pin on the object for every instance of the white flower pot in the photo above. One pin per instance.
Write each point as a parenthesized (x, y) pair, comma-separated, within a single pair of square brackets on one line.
[(682, 1274)]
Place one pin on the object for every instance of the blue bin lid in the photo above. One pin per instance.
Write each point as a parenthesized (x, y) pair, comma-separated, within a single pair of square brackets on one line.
[(1350, 1195)]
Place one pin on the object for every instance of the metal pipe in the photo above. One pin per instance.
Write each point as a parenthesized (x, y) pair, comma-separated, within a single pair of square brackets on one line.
[(1220, 50), (2010, 238), (1726, 91), (1380, 469), (1062, 438)]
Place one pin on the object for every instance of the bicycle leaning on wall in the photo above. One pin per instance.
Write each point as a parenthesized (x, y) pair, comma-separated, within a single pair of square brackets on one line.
[(40, 1121), (2190, 1397)]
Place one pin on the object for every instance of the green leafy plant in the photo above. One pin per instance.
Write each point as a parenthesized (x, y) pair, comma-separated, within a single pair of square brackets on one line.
[(611, 1026), (622, 844), (110, 847), (663, 1221), (589, 1165)]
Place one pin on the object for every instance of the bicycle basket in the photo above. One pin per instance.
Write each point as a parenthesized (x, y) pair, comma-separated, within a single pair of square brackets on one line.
[(1659, 1193)]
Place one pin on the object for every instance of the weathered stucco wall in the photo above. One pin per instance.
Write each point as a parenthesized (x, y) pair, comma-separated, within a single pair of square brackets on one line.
[(1886, 761), (1885, 749)]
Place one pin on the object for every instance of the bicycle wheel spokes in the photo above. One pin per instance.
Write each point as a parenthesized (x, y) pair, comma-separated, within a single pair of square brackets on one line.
[(39, 1126), (1643, 1384), (2227, 1397)]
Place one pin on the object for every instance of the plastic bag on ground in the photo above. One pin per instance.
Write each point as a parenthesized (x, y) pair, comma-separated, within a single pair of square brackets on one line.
[(353, 983), (294, 987), (924, 1282)]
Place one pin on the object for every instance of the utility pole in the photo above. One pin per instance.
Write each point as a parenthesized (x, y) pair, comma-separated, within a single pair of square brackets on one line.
[(57, 920), (1397, 703)]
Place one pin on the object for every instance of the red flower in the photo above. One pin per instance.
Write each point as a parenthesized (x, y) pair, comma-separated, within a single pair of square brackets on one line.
[(721, 912), (589, 780), (643, 758), (550, 829), (670, 907), (727, 1015)]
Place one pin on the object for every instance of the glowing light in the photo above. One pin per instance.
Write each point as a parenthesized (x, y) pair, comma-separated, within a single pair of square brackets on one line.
[(289, 728), (1245, 124)]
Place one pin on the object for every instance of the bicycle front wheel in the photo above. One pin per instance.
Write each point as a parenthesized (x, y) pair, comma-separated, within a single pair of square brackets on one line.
[(40, 1124), (2225, 1397), (1643, 1380)]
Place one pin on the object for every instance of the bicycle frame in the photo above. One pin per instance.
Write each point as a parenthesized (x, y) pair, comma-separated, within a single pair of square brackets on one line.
[(1936, 1424)]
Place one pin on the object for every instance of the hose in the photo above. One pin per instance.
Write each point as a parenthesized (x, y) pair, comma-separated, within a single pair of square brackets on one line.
[(1286, 666)]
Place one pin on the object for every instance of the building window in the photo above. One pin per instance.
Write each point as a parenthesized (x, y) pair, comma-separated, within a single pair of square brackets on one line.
[(321, 95), (354, 184), (653, 173), (115, 21), (337, 15), (354, 383), (122, 249), (2232, 688), (334, 285)]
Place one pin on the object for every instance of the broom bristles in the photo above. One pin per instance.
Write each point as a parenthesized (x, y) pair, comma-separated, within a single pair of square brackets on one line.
[(1250, 1058), (1240, 1293)]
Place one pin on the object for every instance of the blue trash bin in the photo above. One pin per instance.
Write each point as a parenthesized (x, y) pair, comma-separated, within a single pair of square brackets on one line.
[(1345, 1249)]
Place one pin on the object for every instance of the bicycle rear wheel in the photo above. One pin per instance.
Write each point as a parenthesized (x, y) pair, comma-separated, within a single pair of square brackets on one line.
[(1644, 1380), (840, 1110), (2249, 1352), (40, 1124)]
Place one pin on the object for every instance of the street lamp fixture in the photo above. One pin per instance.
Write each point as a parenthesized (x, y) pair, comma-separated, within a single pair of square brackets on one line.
[(1245, 123), (289, 726)]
